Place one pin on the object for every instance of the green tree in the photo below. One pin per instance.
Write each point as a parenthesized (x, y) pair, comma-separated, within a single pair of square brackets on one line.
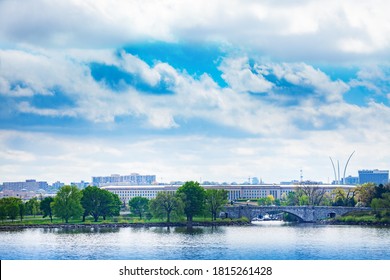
[(100, 202), (22, 210), (45, 207), (3, 210), (32, 206), (303, 200), (91, 202), (291, 199), (12, 207), (67, 203), (310, 195), (193, 196), (339, 197), (365, 193), (166, 205), (139, 205), (113, 205), (215, 200), (266, 201), (381, 203)]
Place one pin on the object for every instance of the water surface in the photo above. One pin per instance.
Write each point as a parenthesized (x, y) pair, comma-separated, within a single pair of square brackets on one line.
[(270, 241)]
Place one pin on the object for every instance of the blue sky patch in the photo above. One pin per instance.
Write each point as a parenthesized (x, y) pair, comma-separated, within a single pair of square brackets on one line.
[(195, 59)]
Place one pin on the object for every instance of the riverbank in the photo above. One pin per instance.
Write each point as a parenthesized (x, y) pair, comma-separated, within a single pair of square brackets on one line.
[(355, 223), (125, 225)]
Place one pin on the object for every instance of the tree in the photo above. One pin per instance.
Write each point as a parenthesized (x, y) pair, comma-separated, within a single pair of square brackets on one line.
[(99, 202), (290, 199), (67, 203), (113, 205), (266, 201), (12, 207), (32, 206), (22, 210), (93, 201), (342, 198), (46, 207), (381, 203), (339, 197), (193, 196), (380, 190), (365, 193), (139, 205), (310, 195), (215, 201), (166, 205), (3, 210)]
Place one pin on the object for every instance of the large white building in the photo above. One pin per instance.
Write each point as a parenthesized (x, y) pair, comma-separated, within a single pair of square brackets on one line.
[(235, 192), (123, 180)]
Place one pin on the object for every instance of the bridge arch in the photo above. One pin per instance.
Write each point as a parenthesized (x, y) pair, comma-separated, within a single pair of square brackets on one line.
[(304, 213)]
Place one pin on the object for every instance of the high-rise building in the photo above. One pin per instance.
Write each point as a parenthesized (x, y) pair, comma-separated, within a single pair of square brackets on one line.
[(116, 179), (374, 176)]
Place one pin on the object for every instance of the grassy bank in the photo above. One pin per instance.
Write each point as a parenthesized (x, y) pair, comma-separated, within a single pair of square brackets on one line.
[(364, 218), (120, 221)]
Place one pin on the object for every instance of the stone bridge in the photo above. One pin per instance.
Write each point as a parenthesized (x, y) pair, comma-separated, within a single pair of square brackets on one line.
[(304, 213)]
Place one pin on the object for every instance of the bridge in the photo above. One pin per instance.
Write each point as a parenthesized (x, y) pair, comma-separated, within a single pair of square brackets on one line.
[(304, 213)]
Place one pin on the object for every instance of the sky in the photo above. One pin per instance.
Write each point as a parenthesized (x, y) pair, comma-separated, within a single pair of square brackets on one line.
[(216, 90)]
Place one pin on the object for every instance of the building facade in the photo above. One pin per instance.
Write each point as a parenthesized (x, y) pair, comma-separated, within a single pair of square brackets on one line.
[(351, 180), (373, 176), (235, 192), (28, 185), (119, 180)]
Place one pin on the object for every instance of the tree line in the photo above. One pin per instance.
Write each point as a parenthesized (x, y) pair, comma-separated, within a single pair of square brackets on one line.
[(71, 203), (365, 195), (189, 200)]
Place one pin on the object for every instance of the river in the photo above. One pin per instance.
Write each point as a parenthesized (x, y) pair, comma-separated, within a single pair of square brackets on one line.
[(263, 241)]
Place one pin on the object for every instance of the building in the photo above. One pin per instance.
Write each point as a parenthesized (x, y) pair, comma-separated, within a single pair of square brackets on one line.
[(22, 194), (235, 192), (81, 185), (116, 179), (351, 180), (28, 185), (373, 176)]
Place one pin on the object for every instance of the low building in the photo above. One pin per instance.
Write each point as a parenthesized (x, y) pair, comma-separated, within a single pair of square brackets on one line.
[(119, 180), (235, 192), (29, 185), (22, 194)]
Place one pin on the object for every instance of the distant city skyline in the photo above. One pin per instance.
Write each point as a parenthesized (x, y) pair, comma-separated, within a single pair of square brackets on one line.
[(193, 90), (364, 176)]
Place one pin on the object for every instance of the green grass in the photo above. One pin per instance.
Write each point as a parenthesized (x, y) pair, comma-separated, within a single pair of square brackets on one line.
[(123, 219), (369, 217)]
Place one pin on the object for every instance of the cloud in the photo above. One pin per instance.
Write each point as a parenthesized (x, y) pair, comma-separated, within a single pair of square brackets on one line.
[(236, 106), (288, 30), (301, 74), (240, 77)]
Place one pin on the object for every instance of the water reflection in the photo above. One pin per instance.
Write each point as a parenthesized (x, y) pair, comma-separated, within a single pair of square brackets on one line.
[(286, 242), (81, 230)]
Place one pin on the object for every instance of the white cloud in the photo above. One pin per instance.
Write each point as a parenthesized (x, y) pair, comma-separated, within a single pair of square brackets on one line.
[(70, 158), (295, 30), (302, 74), (238, 74)]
